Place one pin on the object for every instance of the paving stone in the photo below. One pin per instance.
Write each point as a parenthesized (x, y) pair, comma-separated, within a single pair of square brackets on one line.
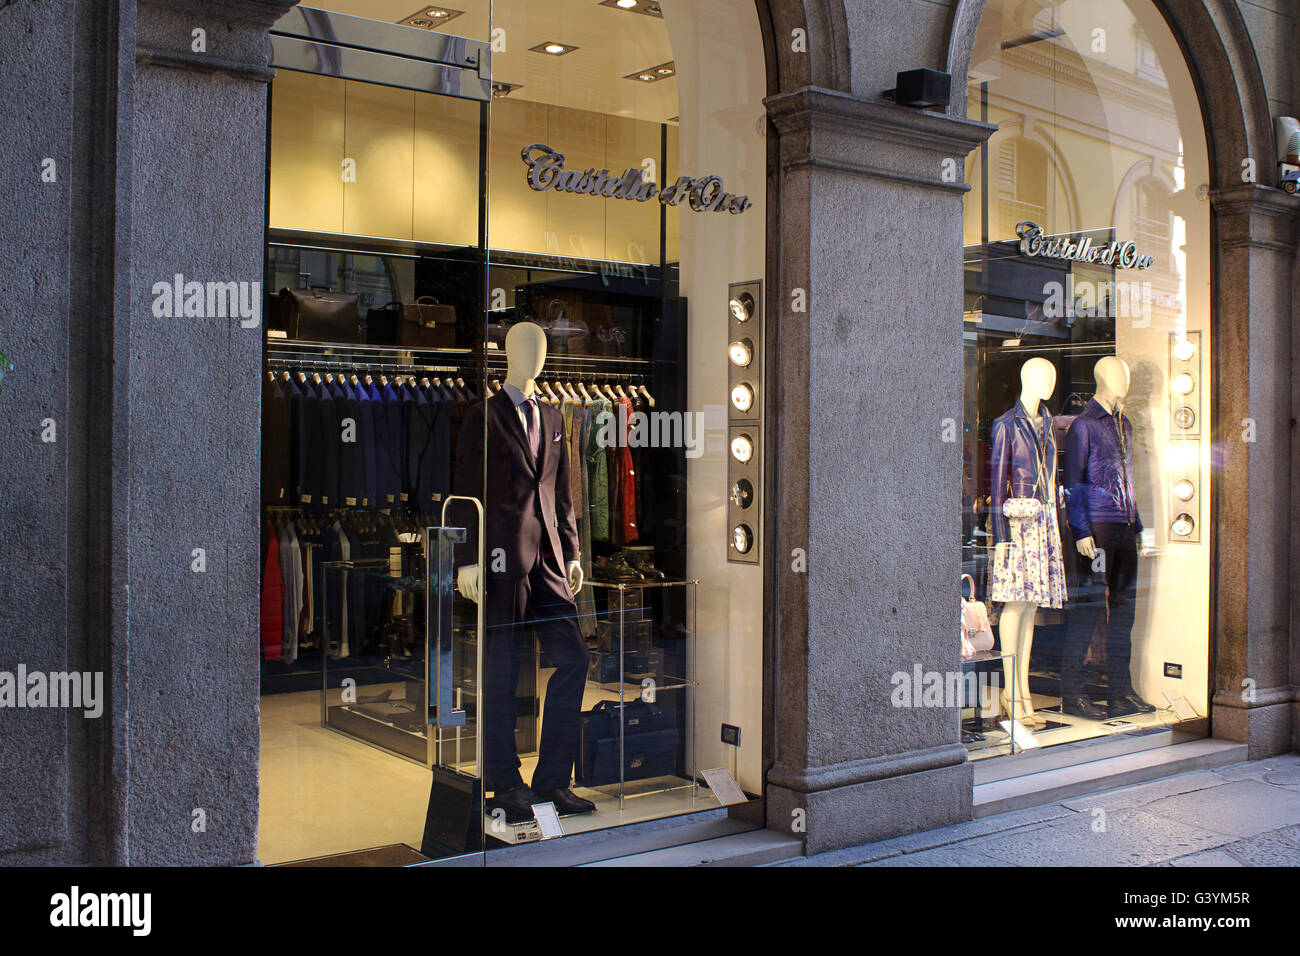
[(942, 856), (1255, 769), (1131, 838), (1144, 793), (1290, 777), (1267, 849), (1243, 808), (1206, 858)]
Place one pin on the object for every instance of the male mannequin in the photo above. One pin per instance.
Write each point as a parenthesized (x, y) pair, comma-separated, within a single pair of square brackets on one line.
[(1028, 569), (530, 531), (1104, 517)]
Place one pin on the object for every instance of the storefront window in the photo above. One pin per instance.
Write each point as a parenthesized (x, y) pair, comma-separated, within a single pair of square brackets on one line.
[(1086, 492), (512, 268)]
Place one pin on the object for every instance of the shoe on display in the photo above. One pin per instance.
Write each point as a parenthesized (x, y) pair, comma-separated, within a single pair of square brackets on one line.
[(1081, 707), (643, 564), (1129, 703), (517, 803), (566, 801), (616, 569)]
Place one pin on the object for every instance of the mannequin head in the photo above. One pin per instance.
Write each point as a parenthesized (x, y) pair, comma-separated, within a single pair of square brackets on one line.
[(1037, 382), (525, 355), (1113, 380)]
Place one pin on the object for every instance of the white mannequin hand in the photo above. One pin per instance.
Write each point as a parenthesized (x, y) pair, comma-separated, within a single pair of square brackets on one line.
[(575, 576), (1086, 547), (468, 582)]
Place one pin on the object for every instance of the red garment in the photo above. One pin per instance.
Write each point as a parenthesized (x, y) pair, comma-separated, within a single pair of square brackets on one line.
[(272, 602), (627, 479)]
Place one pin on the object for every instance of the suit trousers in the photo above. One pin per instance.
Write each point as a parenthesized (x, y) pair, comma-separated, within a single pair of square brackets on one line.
[(1119, 543), (554, 619)]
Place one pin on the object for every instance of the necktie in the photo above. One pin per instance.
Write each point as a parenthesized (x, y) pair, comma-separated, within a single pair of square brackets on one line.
[(530, 413)]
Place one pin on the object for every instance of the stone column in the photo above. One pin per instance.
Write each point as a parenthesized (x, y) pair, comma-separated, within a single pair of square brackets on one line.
[(139, 560), (1254, 697), (868, 480)]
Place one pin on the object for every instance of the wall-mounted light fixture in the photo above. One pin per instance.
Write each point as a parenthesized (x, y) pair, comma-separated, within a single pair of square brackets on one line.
[(1184, 436), (745, 420)]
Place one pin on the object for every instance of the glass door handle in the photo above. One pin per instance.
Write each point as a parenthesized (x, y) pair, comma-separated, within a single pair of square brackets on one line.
[(449, 702)]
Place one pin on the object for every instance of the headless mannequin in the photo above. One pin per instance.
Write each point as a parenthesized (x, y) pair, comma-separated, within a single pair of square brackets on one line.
[(525, 356), (1016, 625), (1113, 379)]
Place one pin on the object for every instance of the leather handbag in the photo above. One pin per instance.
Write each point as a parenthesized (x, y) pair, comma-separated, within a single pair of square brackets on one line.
[(453, 823), (976, 633), (427, 324), (649, 744), (320, 315)]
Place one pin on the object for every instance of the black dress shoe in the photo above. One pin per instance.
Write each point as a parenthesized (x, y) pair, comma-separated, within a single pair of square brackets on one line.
[(566, 801), (642, 563), (616, 569), (1129, 703), (517, 803), (1081, 707)]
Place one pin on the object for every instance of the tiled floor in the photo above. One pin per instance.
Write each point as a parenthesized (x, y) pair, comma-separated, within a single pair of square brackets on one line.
[(324, 793)]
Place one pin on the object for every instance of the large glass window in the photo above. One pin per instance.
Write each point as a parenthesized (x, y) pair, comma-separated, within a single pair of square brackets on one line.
[(515, 249), (1087, 356)]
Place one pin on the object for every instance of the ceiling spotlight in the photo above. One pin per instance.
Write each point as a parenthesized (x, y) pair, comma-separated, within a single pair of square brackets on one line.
[(742, 396), (1183, 383), (1183, 525), (742, 307), (741, 352), (501, 88), (1184, 489), (653, 74), (647, 7), (742, 449), (1184, 350), (430, 18), (553, 48)]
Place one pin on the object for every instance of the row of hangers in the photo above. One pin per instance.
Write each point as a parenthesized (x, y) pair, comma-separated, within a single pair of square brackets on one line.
[(454, 384), (356, 519), (559, 392)]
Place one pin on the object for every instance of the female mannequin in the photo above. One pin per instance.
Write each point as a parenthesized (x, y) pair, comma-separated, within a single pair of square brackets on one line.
[(1028, 567)]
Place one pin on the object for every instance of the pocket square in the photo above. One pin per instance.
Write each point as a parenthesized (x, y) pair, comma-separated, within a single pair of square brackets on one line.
[(555, 437)]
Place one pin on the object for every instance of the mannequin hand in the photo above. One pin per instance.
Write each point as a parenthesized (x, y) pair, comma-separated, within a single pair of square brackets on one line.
[(468, 582), (1086, 547), (575, 576)]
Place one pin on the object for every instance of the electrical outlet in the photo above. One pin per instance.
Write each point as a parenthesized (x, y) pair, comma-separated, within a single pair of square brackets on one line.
[(1173, 670), (731, 735)]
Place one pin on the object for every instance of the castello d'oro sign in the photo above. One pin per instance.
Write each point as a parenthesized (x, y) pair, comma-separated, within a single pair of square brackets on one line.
[(1120, 254), (546, 170)]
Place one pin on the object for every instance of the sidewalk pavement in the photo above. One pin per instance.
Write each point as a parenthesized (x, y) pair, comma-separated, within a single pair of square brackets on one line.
[(1245, 814)]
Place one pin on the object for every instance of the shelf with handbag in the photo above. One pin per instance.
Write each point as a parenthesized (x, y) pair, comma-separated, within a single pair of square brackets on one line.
[(636, 736)]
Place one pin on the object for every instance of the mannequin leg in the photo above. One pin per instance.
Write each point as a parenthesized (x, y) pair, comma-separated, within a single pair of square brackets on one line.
[(1016, 630)]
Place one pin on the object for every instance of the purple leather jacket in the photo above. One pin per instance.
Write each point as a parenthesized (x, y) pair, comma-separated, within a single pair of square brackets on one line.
[(1098, 476), (1015, 459)]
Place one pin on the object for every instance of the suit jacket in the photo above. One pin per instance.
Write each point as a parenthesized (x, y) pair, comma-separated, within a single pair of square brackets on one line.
[(527, 505)]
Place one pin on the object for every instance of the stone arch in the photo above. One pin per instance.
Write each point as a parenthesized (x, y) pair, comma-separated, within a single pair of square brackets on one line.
[(825, 63)]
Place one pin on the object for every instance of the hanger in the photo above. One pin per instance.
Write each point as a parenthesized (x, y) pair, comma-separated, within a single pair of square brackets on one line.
[(648, 397), (621, 393)]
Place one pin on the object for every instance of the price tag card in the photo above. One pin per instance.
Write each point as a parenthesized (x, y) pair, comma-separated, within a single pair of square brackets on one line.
[(1020, 735), (1180, 705), (548, 820), (724, 787)]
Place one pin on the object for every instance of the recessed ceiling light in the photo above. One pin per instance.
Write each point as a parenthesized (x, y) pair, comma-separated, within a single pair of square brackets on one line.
[(648, 7), (553, 48), (430, 18), (653, 74)]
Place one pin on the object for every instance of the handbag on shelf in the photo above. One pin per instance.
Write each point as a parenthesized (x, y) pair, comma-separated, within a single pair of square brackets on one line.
[(320, 315), (427, 324), (648, 745), (976, 633)]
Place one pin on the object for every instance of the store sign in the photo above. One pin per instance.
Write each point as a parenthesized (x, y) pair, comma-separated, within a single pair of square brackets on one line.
[(1121, 255), (546, 170)]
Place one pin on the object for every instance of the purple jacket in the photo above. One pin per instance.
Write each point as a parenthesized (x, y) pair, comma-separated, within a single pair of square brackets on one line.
[(1015, 462), (1098, 477)]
